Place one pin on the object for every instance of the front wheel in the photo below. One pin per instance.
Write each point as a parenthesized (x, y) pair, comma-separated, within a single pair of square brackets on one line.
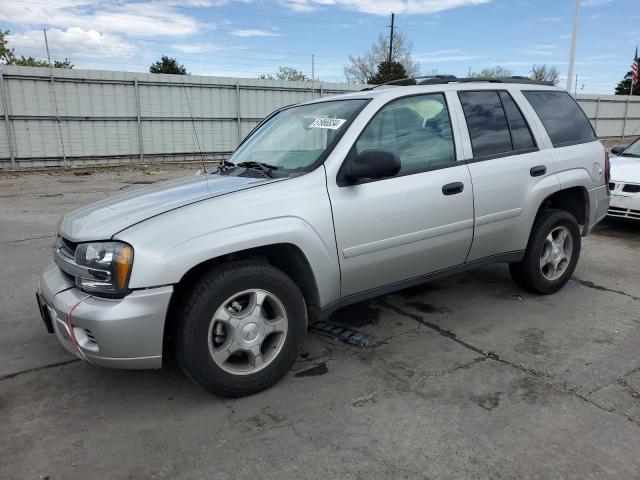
[(241, 329), (551, 255)]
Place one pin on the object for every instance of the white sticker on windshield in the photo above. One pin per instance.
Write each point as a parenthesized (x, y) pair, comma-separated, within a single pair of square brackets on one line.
[(330, 123)]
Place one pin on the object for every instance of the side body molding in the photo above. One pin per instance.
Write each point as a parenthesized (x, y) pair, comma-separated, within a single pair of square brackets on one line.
[(295, 211)]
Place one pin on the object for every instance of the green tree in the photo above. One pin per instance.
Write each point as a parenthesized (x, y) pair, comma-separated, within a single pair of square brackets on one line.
[(495, 72), (8, 56), (286, 73), (388, 72), (168, 65), (361, 68), (624, 86)]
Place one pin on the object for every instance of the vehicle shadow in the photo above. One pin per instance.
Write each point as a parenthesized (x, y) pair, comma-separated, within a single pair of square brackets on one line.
[(623, 228)]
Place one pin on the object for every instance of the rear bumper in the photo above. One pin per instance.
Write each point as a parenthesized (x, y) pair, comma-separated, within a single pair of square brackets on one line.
[(117, 333), (598, 206)]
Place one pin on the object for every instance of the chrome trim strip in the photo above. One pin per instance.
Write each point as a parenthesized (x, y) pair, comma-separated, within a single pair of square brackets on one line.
[(498, 216), (406, 238)]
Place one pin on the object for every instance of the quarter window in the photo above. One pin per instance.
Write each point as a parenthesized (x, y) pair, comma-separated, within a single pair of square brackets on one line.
[(561, 116), (417, 129)]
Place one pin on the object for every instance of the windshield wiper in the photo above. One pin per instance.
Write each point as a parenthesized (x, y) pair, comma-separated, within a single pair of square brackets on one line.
[(225, 165), (629, 155), (262, 167)]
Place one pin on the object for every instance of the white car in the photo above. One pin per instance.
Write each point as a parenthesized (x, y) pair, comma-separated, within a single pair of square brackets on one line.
[(625, 182)]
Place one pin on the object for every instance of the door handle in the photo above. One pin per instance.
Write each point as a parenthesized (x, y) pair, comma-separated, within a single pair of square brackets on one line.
[(453, 188), (538, 171)]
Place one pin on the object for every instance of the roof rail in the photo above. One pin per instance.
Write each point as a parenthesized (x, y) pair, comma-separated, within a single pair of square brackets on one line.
[(444, 79)]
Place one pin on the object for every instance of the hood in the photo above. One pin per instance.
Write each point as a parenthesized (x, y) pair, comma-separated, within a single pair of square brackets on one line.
[(103, 219), (625, 169)]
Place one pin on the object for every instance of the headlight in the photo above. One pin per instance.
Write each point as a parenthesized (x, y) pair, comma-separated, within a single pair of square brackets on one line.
[(109, 267)]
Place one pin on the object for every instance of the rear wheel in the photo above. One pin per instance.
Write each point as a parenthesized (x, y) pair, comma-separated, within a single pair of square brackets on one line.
[(242, 328), (551, 255)]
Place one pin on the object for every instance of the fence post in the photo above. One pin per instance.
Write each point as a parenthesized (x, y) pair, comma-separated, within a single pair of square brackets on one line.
[(238, 118), (7, 121), (595, 123), (140, 138), (321, 90), (624, 121)]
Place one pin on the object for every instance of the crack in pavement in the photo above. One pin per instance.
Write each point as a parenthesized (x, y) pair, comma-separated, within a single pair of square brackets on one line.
[(565, 387), (26, 239), (617, 379), (590, 284), (35, 369)]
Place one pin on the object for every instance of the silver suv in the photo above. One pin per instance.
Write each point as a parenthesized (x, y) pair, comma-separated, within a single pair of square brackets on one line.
[(324, 204)]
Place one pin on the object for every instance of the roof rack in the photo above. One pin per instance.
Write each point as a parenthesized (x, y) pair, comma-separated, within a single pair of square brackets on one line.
[(444, 79)]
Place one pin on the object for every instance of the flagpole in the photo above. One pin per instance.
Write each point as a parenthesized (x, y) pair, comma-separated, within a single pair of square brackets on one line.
[(572, 55), (637, 67)]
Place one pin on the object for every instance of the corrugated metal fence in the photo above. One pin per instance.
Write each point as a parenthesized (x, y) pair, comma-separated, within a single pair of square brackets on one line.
[(99, 117), (59, 117)]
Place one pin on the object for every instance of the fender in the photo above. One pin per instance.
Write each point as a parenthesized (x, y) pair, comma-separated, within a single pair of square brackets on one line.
[(576, 177), (166, 247)]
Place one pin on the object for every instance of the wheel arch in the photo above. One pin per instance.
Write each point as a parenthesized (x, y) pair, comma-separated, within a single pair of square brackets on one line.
[(285, 256), (574, 200)]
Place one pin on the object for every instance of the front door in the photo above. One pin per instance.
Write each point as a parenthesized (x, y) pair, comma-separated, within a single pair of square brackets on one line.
[(420, 220)]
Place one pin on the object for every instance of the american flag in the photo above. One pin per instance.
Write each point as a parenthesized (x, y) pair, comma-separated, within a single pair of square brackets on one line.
[(634, 69)]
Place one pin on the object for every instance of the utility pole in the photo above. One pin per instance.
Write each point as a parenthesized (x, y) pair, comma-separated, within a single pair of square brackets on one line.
[(572, 55), (391, 37), (313, 75)]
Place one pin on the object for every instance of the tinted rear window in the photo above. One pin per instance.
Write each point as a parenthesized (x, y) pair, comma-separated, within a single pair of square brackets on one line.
[(561, 116), (486, 122)]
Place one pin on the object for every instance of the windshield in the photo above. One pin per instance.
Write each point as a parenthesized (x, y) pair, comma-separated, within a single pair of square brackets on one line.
[(632, 150), (296, 137)]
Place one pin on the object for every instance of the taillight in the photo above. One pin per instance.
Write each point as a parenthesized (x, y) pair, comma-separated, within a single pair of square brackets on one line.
[(607, 168)]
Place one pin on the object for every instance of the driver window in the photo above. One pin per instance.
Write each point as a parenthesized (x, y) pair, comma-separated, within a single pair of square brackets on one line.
[(417, 129)]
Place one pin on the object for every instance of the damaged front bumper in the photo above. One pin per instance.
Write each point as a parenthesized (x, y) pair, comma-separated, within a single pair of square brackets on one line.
[(117, 333)]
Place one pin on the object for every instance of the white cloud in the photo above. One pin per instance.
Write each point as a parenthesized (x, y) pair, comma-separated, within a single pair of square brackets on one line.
[(253, 32), (142, 19), (540, 50), (595, 3), (550, 19), (442, 56), (194, 47), (383, 7), (74, 43)]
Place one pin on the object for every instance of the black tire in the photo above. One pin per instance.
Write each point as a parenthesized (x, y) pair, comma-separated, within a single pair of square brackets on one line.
[(527, 274), (206, 296)]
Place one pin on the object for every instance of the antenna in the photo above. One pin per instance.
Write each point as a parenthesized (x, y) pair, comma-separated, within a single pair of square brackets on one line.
[(55, 101), (195, 131)]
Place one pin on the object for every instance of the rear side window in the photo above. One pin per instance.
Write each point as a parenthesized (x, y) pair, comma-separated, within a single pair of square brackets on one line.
[(487, 123), (561, 116)]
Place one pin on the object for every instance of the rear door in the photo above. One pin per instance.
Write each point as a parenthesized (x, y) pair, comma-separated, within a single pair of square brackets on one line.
[(510, 173), (420, 220)]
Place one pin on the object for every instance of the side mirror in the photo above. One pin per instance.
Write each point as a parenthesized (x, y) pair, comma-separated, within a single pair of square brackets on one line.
[(373, 164), (617, 150)]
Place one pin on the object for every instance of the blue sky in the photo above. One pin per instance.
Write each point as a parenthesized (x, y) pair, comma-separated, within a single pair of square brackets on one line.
[(248, 37)]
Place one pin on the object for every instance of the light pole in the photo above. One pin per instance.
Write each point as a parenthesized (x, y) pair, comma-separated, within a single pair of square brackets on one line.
[(572, 55)]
